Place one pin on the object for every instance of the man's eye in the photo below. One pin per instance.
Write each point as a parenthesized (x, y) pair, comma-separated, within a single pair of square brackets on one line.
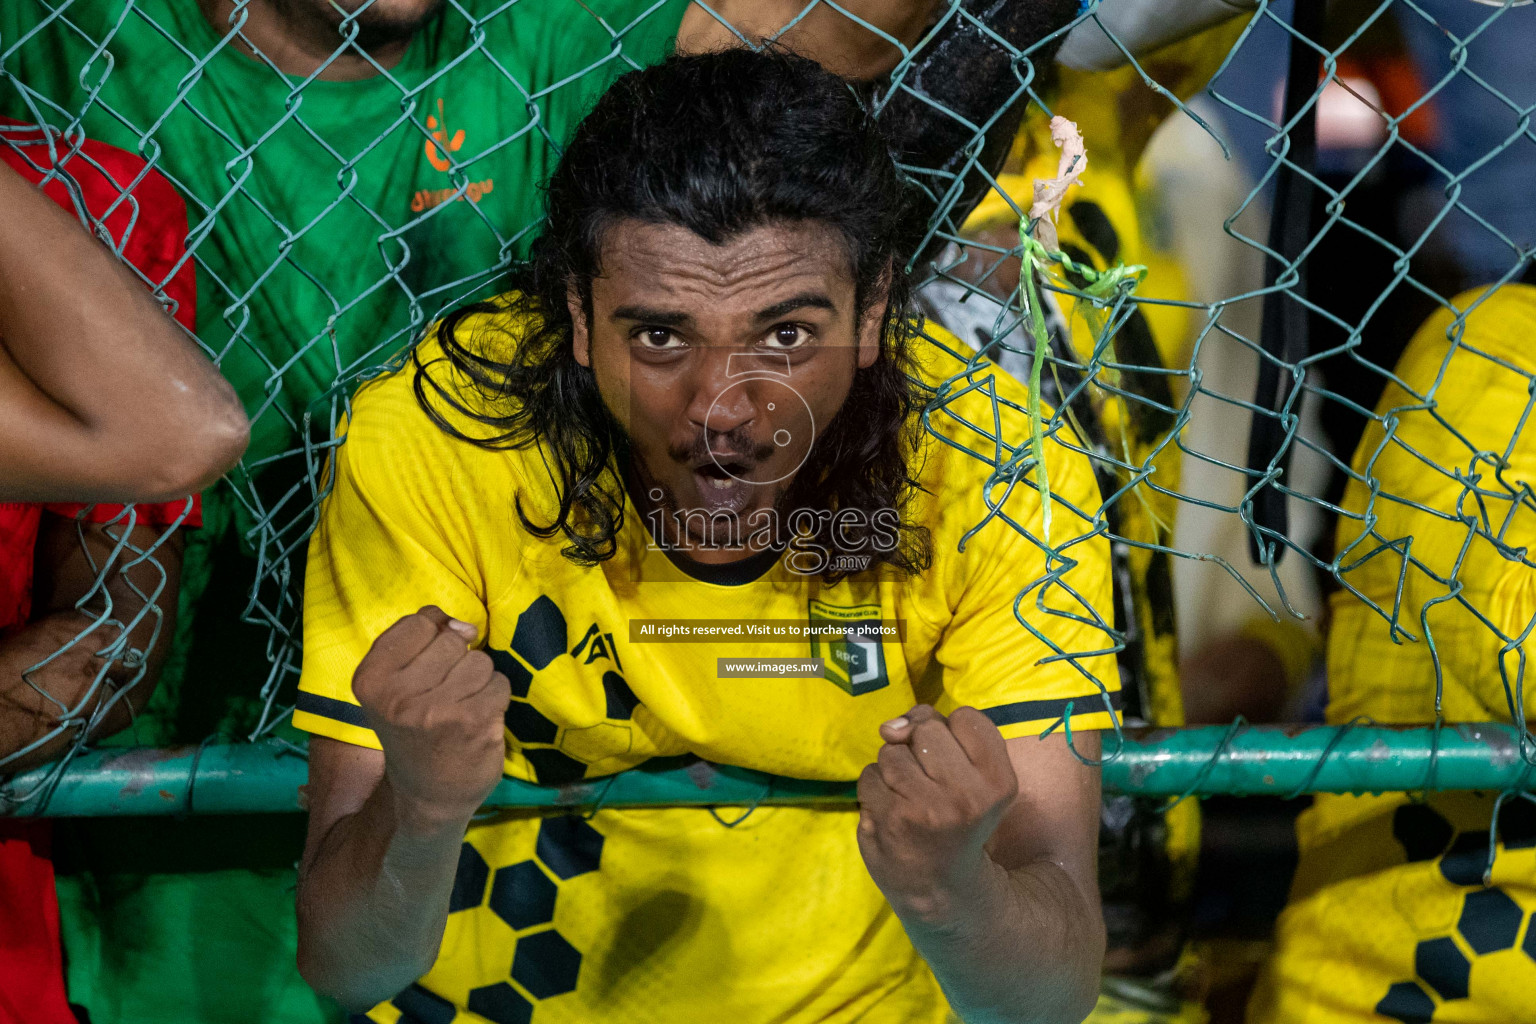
[(787, 336), (658, 338)]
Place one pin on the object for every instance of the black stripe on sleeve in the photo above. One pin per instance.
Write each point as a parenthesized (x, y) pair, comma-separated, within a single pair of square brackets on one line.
[(330, 707), (1051, 708)]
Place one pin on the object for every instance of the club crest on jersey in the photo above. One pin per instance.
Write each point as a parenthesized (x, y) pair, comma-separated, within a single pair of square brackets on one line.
[(852, 657)]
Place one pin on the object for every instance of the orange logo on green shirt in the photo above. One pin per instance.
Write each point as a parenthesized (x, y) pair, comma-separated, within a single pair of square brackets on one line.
[(439, 125), (438, 149), (426, 198)]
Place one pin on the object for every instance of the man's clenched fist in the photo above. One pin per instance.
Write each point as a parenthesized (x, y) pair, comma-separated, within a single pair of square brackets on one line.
[(929, 804), (437, 708)]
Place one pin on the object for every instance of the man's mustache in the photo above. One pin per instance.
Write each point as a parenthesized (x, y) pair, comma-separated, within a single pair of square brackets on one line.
[(730, 446)]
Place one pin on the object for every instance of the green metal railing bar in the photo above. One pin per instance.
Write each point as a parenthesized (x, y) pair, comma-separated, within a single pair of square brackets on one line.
[(1247, 760)]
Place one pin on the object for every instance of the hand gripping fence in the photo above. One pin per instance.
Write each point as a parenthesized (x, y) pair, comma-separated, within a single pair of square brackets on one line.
[(1133, 360)]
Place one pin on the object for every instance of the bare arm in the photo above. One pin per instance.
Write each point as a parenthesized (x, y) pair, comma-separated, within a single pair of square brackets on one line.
[(933, 113), (101, 394), (987, 851), (373, 899), (31, 706), (385, 827), (838, 42)]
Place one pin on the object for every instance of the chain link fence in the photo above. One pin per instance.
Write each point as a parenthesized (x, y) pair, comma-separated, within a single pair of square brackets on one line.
[(1238, 380)]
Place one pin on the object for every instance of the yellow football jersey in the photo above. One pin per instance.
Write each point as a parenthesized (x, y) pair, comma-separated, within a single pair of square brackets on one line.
[(668, 915), (1389, 918)]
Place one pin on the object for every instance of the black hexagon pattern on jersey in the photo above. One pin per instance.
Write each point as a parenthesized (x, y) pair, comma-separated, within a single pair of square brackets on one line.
[(1489, 921), (1465, 861), (528, 723), (501, 1003), (539, 637), (1408, 1003), (1421, 830), (469, 880), (516, 672), (545, 964), (418, 1006), (554, 768), (1517, 823), (523, 896), (1442, 967), (621, 699), (569, 846)]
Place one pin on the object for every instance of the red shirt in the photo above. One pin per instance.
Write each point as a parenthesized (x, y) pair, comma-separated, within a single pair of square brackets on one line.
[(147, 222), (19, 525)]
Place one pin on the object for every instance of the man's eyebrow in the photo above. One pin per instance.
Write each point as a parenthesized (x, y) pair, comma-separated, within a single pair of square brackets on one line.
[(651, 315), (808, 300), (678, 318)]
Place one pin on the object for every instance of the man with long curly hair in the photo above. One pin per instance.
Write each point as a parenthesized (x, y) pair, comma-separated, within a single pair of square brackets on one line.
[(706, 397)]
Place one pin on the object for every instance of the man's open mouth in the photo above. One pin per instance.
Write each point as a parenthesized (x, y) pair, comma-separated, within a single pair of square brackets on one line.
[(723, 473), (723, 486)]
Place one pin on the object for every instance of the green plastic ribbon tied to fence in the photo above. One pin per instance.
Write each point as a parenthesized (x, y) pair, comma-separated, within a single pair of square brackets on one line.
[(1258, 760)]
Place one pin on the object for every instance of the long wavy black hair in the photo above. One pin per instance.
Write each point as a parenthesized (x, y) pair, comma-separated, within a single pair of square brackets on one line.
[(717, 143)]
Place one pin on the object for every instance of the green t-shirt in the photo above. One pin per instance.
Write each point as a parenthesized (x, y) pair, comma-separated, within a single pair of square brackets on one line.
[(322, 213), (323, 219)]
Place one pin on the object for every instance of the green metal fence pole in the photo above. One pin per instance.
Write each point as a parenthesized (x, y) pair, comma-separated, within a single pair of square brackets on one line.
[(1273, 760)]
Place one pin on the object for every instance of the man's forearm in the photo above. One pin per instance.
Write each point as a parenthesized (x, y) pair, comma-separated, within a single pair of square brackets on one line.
[(32, 707), (103, 395), (932, 115), (70, 559), (374, 900), (1021, 947), (69, 688)]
